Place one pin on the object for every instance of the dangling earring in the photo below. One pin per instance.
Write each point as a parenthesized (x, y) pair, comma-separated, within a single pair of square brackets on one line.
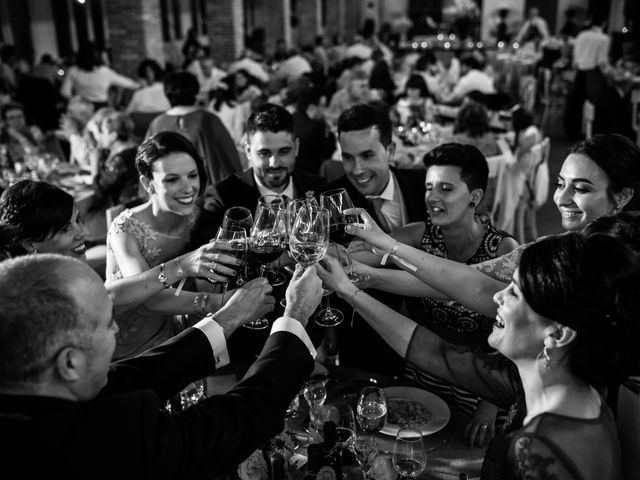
[(547, 360)]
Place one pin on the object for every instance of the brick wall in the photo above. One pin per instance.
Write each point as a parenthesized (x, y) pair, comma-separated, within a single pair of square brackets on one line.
[(134, 33), (226, 29)]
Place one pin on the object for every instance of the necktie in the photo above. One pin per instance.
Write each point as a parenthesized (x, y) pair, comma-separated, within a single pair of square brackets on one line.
[(377, 202)]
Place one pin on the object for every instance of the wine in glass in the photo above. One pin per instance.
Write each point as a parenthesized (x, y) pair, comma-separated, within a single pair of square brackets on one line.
[(239, 218), (275, 275), (236, 239), (372, 409), (366, 449), (309, 235), (409, 454), (266, 244)]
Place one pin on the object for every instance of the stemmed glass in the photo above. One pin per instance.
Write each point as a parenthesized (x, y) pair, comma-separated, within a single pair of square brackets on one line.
[(275, 275), (237, 240), (266, 244), (315, 393), (309, 235), (341, 414), (372, 409), (409, 454), (366, 449), (239, 218)]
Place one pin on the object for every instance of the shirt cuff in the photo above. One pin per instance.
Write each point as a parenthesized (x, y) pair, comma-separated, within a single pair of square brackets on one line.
[(215, 335), (291, 325)]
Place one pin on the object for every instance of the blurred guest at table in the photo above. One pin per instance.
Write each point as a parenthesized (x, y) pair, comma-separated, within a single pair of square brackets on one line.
[(570, 28), (232, 113), (203, 128), (471, 127), (91, 79), (151, 97), (61, 394), (20, 139), (381, 84), (416, 105), (244, 86), (205, 70), (427, 67), (271, 149), (450, 70), (355, 92), (73, 130), (38, 92), (472, 79), (7, 63), (534, 29), (590, 60), (568, 324), (37, 217), (502, 32)]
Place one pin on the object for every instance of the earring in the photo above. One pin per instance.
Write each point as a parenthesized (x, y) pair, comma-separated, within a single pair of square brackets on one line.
[(151, 190), (472, 204), (547, 360)]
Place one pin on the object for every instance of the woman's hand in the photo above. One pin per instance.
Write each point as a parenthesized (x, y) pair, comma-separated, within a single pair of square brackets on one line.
[(333, 276), (372, 237), (481, 427), (207, 261)]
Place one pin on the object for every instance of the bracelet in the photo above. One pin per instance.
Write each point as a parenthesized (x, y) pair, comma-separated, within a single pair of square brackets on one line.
[(200, 304), (353, 296), (385, 257), (179, 271)]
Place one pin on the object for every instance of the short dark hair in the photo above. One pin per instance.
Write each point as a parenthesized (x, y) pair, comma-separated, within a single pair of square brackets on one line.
[(149, 63), (426, 59), (418, 82), (472, 119), (592, 285), (470, 61), (34, 211), (165, 143), (362, 116), (625, 226), (521, 118), (7, 107), (34, 327), (474, 170), (87, 57), (270, 118), (181, 88), (619, 158)]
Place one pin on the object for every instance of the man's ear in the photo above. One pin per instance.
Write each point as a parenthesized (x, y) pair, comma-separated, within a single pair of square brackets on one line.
[(69, 364)]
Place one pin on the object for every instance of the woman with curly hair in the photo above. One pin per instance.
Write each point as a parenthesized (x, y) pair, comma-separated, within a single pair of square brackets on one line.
[(471, 127)]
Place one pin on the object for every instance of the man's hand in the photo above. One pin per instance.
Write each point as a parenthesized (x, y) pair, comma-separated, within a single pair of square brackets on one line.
[(303, 295), (248, 303)]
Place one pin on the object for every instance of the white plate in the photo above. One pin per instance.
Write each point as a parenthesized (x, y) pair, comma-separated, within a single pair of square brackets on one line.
[(438, 409)]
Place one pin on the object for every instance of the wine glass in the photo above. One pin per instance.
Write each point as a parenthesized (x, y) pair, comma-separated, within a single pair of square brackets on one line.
[(266, 244), (309, 235), (341, 414), (409, 454), (237, 240), (315, 393), (275, 275), (366, 449), (372, 409), (239, 218)]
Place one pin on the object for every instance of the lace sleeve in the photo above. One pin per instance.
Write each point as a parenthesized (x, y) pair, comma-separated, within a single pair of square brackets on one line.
[(502, 268), (144, 235), (490, 376), (535, 458)]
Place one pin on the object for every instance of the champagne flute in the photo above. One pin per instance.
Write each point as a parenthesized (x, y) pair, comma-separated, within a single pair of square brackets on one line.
[(239, 218), (366, 449), (409, 454), (372, 409), (237, 240), (315, 393), (266, 244)]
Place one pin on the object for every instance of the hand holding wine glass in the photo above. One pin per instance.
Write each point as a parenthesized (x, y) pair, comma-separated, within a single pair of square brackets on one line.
[(309, 235), (239, 218), (409, 454), (234, 242)]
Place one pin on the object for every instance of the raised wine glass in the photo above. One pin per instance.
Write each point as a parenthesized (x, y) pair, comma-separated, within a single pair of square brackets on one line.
[(239, 218), (266, 244), (309, 235), (237, 240), (372, 409), (275, 275), (409, 454)]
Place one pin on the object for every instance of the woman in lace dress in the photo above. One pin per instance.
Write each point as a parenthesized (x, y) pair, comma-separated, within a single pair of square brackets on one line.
[(172, 173), (568, 324)]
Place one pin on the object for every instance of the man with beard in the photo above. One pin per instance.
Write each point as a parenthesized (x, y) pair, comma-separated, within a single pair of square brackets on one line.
[(271, 150)]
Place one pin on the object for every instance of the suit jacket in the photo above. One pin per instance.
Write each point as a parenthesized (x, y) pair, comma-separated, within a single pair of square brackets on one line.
[(123, 433), (360, 345), (240, 191)]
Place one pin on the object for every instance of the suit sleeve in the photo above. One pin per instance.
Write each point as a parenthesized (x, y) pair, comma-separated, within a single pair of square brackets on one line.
[(214, 436)]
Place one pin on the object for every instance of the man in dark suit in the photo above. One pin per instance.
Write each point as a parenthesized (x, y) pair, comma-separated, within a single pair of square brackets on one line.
[(393, 197), (271, 149), (65, 412)]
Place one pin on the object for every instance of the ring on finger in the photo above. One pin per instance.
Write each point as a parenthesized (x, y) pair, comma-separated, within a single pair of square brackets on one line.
[(213, 267), (483, 426)]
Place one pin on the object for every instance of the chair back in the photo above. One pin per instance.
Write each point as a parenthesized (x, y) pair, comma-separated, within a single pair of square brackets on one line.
[(588, 114), (528, 88), (537, 183)]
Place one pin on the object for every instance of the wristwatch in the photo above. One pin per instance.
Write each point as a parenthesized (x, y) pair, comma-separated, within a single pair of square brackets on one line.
[(162, 276)]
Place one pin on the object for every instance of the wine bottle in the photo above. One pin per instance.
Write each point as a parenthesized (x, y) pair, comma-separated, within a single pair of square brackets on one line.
[(277, 467), (314, 462), (332, 462)]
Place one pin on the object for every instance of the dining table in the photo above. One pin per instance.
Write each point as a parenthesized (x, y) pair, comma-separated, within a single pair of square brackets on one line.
[(448, 453)]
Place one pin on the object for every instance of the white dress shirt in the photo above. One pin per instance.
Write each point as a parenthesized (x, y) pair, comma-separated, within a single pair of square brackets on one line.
[(393, 209), (591, 49), (215, 334), (473, 80), (149, 99)]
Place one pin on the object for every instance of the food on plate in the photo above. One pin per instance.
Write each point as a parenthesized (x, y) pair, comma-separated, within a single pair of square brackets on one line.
[(406, 413)]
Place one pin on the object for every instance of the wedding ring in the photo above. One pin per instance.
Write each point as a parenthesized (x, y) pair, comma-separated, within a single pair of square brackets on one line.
[(213, 267), (483, 426)]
